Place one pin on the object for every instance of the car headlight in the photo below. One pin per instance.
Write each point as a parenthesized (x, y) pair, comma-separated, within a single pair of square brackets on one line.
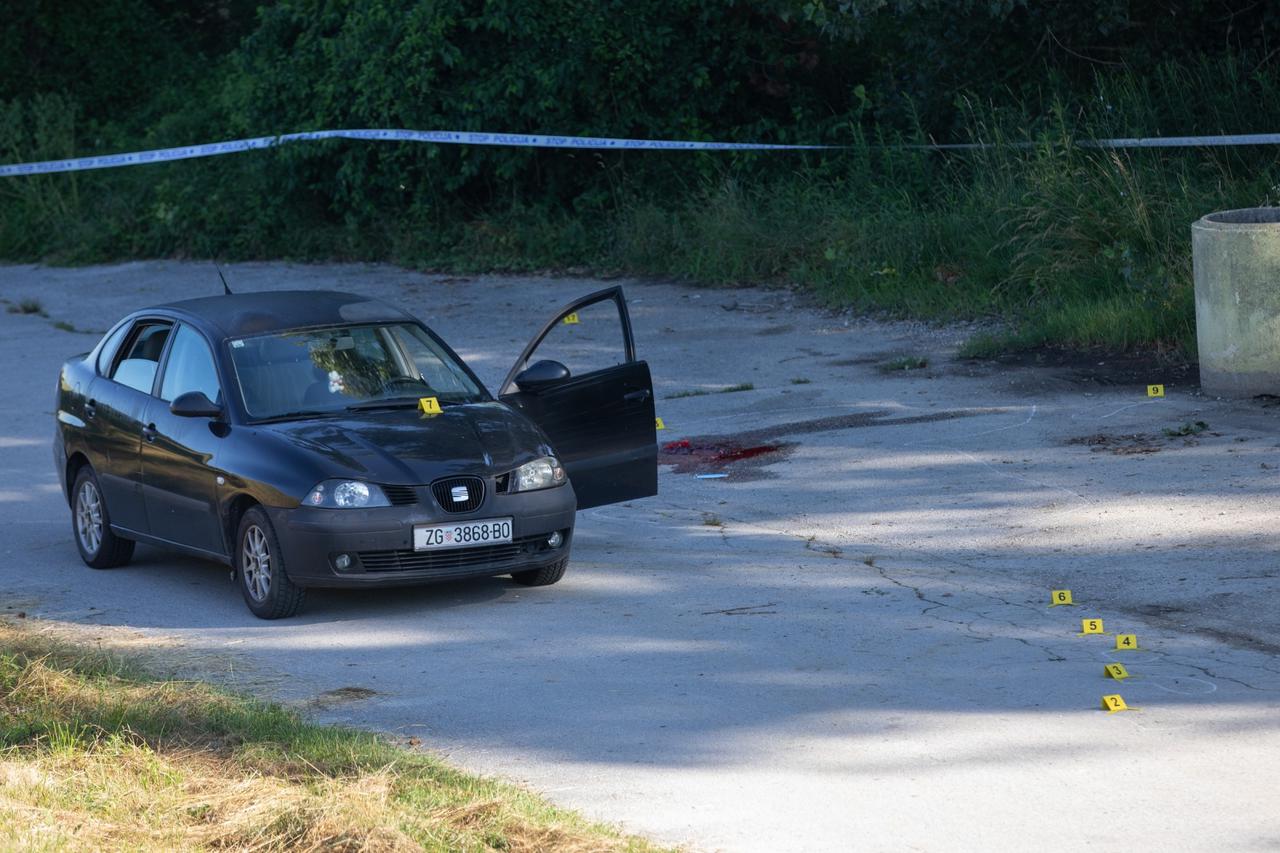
[(542, 473), (346, 494)]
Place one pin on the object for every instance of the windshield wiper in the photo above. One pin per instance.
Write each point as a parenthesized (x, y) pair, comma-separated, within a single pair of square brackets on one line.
[(384, 403), (291, 416)]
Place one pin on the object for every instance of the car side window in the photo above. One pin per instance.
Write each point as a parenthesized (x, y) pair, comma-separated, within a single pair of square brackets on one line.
[(141, 355), (190, 367), (586, 341), (107, 353)]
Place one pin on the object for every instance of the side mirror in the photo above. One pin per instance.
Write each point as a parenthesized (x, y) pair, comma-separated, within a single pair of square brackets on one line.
[(540, 375), (195, 404)]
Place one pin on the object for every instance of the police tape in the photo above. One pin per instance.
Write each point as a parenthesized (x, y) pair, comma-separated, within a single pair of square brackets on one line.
[(522, 140), (1222, 141), (445, 137)]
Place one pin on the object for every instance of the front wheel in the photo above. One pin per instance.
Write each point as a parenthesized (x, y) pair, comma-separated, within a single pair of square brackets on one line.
[(544, 576), (260, 569), (91, 526)]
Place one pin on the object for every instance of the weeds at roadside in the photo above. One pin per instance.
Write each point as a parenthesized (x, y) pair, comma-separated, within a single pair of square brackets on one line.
[(64, 326), (986, 345), (1188, 428), (703, 392), (27, 306), (907, 362), (801, 381), (710, 519)]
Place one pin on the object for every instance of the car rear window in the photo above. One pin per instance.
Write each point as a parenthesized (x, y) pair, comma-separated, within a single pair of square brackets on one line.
[(316, 371)]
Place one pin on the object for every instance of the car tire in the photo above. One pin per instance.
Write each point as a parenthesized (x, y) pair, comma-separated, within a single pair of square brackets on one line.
[(260, 569), (544, 576), (91, 525)]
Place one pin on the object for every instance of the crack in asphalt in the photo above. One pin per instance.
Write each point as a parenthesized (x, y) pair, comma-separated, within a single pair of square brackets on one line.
[(968, 625), (814, 545)]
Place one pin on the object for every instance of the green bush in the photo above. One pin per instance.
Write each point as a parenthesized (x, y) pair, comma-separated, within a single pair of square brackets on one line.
[(1068, 243)]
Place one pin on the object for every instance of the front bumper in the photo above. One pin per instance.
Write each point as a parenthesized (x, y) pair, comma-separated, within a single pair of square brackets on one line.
[(379, 542)]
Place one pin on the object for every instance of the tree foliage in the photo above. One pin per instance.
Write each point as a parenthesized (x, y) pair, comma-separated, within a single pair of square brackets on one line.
[(697, 70), (781, 71), (139, 73)]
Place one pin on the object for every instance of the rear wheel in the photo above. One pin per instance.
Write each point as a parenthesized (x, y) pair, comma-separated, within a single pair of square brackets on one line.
[(91, 525), (260, 568), (544, 576)]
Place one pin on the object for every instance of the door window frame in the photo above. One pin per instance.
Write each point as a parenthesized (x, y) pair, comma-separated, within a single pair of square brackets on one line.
[(613, 294), (110, 348), (130, 339), (157, 386)]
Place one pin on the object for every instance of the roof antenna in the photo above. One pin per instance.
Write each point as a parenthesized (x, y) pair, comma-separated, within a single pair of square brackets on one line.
[(225, 287)]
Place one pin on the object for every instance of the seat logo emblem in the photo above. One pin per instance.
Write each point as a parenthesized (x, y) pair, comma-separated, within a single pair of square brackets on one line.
[(459, 494)]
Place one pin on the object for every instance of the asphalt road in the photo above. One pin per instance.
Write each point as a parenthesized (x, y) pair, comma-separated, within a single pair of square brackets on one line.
[(845, 643)]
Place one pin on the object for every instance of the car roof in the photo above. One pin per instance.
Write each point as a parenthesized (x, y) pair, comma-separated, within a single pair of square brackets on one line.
[(243, 314)]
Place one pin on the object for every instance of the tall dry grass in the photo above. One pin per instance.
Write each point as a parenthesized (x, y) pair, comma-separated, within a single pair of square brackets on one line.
[(97, 755)]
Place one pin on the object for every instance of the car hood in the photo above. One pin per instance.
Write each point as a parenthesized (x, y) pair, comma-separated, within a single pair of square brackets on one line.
[(403, 446)]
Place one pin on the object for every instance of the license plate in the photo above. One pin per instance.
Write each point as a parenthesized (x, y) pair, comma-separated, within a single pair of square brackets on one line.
[(461, 534)]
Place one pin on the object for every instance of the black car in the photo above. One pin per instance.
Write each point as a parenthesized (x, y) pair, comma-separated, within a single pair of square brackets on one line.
[(313, 438)]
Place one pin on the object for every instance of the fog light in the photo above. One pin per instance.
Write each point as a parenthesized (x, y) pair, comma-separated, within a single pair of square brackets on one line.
[(555, 540), (342, 561)]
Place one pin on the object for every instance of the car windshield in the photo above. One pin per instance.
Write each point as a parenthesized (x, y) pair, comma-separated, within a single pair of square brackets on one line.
[(320, 371)]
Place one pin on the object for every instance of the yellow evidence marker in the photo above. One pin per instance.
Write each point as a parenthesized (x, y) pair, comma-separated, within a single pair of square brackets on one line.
[(1126, 642), (1155, 390), (429, 406), (1115, 702), (658, 424), (571, 319), (1116, 671), (1090, 626), (1060, 597)]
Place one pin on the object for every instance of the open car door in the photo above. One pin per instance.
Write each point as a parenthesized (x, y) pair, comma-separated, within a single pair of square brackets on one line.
[(592, 398)]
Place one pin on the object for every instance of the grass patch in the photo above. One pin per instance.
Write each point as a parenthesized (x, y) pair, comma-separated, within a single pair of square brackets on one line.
[(988, 345), (703, 392), (906, 362), (27, 306), (64, 326), (801, 381), (97, 755), (1188, 428)]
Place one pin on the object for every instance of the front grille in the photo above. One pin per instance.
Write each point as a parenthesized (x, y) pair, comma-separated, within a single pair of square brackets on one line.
[(452, 560), (444, 493), (401, 495)]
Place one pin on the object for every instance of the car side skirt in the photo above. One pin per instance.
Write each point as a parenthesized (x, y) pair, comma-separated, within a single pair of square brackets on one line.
[(148, 539)]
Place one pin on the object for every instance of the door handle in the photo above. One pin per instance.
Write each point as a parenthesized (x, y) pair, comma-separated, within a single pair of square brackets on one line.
[(637, 396), (149, 432), (91, 409)]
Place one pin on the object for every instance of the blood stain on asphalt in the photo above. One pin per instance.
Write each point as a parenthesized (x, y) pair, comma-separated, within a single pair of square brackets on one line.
[(743, 455), (714, 455)]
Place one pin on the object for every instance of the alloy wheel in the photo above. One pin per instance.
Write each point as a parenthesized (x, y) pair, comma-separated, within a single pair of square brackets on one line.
[(89, 517), (255, 563)]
